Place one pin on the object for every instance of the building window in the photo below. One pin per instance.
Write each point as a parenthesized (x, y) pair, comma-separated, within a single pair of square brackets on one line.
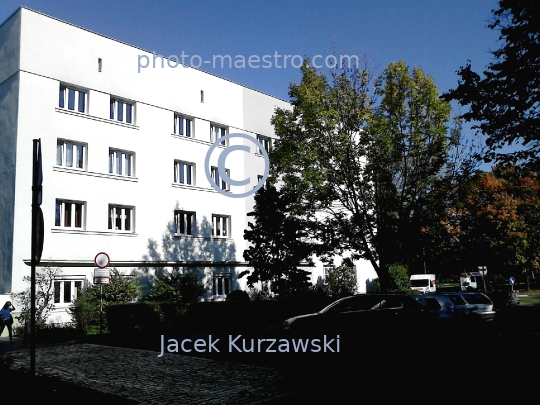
[(66, 291), (221, 284), (121, 111), (183, 125), (183, 222), (69, 214), (121, 218), (214, 173), (71, 154), (266, 143), (184, 173), (121, 162), (217, 132), (72, 99), (221, 226), (327, 270)]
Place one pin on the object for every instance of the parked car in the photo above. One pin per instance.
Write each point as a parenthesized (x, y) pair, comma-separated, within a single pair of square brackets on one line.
[(458, 305), (363, 313)]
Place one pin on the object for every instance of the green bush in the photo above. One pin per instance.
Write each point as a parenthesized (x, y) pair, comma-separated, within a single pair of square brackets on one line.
[(238, 296), (399, 278), (85, 310)]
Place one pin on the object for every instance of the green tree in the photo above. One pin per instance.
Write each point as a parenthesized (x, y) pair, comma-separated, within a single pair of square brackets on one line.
[(399, 278), (504, 104), (85, 310), (45, 277), (176, 286), (368, 170), (341, 281), (278, 242)]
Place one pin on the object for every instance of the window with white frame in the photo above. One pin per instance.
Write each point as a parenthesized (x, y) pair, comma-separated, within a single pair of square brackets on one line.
[(122, 111), (221, 225), (67, 291), (214, 173), (221, 284), (183, 222), (184, 173), (216, 132), (71, 154), (72, 99), (183, 125), (266, 143), (121, 162), (121, 218), (69, 214), (326, 270)]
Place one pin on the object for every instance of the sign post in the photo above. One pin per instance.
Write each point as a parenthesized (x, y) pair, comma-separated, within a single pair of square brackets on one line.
[(512, 281), (36, 244), (102, 276)]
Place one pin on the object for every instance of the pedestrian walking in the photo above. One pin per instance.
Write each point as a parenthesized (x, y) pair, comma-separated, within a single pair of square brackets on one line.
[(7, 319)]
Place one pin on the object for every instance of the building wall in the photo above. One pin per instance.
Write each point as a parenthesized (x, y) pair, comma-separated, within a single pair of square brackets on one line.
[(9, 91), (40, 55)]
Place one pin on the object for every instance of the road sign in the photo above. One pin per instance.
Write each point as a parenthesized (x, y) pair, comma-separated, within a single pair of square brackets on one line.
[(102, 260), (102, 273), (512, 280), (102, 280)]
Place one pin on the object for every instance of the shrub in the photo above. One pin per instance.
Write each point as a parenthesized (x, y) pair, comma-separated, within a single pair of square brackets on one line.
[(176, 287), (238, 296)]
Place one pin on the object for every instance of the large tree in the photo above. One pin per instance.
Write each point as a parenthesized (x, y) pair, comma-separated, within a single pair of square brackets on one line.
[(504, 104), (496, 222), (279, 242), (366, 167)]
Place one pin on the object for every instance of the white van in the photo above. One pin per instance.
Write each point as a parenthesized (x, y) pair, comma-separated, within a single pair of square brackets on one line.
[(425, 283)]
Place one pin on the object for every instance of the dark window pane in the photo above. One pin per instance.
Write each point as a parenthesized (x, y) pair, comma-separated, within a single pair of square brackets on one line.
[(129, 107), (112, 109), (67, 214), (188, 225), (81, 101), (188, 173), (80, 156), (56, 292), (118, 219), (180, 126), (71, 99), (188, 127), (181, 170), (67, 291), (128, 164), (58, 214), (111, 217), (78, 215), (128, 219), (120, 111), (61, 100)]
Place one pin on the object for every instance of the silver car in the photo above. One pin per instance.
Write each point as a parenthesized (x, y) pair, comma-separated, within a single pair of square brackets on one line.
[(458, 305)]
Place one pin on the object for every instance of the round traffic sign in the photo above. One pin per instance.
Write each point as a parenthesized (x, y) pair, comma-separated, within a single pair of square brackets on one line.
[(102, 260)]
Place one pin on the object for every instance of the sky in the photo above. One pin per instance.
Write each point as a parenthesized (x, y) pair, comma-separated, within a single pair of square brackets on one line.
[(437, 35)]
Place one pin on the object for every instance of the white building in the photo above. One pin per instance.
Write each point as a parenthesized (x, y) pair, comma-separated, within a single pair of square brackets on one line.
[(123, 153)]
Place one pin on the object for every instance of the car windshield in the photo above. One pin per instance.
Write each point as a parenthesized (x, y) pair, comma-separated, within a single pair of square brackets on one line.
[(420, 283), (477, 299)]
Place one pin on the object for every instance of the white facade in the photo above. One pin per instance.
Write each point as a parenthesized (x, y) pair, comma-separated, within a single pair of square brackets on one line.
[(123, 156)]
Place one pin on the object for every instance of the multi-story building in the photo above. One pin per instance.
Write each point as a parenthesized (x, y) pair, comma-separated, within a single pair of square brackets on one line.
[(123, 155)]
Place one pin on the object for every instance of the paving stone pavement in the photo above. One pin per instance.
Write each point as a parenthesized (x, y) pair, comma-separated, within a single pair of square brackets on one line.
[(142, 376)]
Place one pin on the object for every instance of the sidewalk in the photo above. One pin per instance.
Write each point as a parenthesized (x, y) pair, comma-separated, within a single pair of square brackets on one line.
[(144, 377)]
